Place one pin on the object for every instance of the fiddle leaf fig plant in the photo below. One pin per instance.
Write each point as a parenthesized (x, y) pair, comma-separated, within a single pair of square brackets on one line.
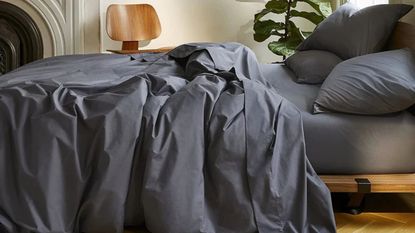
[(289, 35)]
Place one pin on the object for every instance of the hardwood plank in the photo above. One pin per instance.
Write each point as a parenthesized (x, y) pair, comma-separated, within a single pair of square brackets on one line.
[(385, 183), (403, 218), (375, 222), (349, 223), (363, 223), (379, 227), (407, 228)]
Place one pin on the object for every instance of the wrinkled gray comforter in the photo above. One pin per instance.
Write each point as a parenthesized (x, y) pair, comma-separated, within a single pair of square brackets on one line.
[(192, 141)]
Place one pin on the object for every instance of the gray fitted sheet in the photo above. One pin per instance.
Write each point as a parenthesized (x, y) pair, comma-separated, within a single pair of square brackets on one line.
[(345, 143)]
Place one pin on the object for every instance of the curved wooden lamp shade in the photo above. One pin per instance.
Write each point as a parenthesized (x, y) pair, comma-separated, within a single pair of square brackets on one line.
[(132, 23)]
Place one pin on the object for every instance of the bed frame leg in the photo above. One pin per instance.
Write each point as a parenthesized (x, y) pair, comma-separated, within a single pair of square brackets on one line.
[(356, 200), (355, 204)]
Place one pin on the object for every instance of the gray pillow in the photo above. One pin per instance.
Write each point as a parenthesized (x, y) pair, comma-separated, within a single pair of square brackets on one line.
[(312, 66), (377, 83), (349, 32)]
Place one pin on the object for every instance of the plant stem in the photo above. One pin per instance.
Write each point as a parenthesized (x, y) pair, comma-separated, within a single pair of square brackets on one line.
[(287, 19)]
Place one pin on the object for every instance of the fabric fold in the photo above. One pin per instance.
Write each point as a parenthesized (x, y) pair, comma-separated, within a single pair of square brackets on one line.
[(190, 141)]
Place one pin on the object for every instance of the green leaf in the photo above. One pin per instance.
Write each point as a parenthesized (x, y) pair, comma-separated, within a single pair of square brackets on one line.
[(286, 46), (261, 14), (311, 16), (306, 34), (323, 7), (294, 4), (264, 29), (277, 6), (290, 35), (280, 48), (295, 32), (273, 6)]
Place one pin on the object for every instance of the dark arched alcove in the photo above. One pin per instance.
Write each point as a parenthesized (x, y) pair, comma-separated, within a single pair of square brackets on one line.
[(20, 38)]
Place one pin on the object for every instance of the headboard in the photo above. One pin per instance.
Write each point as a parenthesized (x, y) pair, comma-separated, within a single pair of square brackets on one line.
[(403, 36)]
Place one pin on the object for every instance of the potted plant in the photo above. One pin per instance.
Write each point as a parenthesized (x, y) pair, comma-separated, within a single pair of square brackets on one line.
[(289, 35)]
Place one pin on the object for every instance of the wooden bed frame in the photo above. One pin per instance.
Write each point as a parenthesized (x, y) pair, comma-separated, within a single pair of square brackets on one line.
[(403, 36)]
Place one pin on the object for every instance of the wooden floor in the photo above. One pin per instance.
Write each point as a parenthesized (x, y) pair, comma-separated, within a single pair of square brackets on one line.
[(383, 213), (363, 223), (376, 223)]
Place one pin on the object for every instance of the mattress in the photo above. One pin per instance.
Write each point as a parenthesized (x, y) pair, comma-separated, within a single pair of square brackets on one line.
[(344, 143)]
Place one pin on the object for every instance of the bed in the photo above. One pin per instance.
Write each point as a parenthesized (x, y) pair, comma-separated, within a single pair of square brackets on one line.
[(183, 141), (355, 154), (190, 141)]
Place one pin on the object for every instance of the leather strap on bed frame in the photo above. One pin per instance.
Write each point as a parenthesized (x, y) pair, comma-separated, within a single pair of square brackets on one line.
[(363, 185)]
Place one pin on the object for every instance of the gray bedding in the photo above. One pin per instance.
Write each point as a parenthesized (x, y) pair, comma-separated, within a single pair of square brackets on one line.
[(192, 142), (343, 143)]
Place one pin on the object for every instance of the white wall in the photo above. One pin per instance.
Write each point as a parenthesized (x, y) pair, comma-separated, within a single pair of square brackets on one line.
[(78, 26), (92, 26), (185, 21)]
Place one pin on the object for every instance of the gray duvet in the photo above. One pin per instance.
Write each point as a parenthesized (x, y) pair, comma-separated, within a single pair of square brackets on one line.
[(192, 141)]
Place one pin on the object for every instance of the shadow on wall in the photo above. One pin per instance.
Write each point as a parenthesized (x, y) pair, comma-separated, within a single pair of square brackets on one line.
[(245, 32)]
